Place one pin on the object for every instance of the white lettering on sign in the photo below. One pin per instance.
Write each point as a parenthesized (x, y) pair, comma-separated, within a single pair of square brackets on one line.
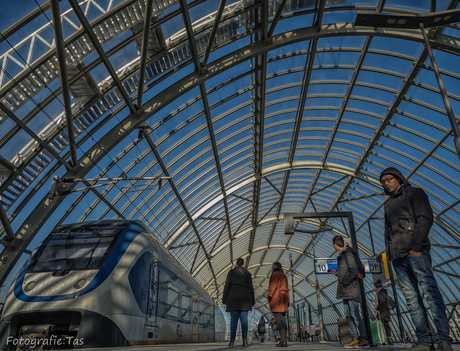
[(323, 265)]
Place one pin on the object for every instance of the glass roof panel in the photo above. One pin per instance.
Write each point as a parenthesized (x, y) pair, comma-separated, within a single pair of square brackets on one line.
[(284, 134)]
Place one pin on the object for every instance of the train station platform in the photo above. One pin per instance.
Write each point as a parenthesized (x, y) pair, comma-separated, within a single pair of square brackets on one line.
[(257, 346)]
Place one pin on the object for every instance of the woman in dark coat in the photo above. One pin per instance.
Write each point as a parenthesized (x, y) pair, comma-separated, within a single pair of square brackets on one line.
[(239, 298), (382, 309), (261, 329), (278, 299)]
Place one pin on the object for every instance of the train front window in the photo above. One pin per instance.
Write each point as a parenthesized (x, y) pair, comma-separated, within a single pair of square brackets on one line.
[(74, 249)]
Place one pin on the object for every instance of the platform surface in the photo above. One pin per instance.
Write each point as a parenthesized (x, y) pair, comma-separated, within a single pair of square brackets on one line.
[(257, 346)]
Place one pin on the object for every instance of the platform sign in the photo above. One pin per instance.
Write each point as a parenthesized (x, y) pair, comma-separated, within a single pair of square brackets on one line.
[(371, 265), (323, 265)]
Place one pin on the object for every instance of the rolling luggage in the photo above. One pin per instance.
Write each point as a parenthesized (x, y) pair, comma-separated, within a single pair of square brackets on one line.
[(378, 333), (344, 331)]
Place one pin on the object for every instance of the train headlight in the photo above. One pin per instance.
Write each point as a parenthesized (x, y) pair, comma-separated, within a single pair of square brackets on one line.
[(30, 285), (80, 283)]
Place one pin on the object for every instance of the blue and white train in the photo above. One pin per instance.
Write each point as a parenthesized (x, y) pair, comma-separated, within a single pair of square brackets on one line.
[(105, 283)]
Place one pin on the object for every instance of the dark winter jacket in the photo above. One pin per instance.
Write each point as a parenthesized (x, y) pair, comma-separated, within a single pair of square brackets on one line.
[(238, 291), (347, 271), (408, 219), (278, 291), (261, 326), (382, 304)]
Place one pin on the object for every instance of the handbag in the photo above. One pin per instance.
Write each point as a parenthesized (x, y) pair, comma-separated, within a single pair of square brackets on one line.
[(273, 324)]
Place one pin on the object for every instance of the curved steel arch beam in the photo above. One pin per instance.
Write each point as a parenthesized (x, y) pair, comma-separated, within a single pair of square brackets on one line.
[(442, 42)]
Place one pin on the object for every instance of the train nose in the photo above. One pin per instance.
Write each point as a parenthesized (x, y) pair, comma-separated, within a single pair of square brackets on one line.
[(32, 337), (43, 330)]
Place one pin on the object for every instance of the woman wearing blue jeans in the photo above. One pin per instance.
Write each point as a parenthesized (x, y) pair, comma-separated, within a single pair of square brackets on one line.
[(239, 298)]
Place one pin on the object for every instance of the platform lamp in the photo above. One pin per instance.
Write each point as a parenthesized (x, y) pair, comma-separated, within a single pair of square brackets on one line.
[(420, 21)]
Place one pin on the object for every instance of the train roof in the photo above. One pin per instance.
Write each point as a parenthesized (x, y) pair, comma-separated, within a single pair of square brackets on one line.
[(104, 223)]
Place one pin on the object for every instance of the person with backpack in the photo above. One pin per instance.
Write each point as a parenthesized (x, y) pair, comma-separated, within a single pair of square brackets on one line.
[(261, 329), (408, 220), (384, 304), (348, 291)]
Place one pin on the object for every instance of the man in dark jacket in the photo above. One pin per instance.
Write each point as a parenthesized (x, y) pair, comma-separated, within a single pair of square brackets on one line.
[(382, 309), (261, 329), (348, 291), (238, 296), (408, 219)]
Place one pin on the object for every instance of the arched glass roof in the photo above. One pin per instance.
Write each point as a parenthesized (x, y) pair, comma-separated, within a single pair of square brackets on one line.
[(209, 120)]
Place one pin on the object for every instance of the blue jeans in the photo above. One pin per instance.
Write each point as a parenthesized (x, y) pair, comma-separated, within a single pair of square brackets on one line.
[(413, 271), (243, 317), (262, 337), (354, 320)]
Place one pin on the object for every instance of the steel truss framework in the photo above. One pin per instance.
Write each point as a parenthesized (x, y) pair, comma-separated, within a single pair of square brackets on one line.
[(248, 110)]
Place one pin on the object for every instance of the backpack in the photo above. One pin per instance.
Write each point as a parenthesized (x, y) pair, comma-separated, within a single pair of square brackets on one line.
[(361, 272)]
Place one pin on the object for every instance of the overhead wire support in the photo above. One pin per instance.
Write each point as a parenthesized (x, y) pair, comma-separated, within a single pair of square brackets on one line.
[(62, 65)]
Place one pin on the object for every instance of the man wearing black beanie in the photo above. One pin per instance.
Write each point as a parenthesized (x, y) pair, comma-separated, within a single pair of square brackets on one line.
[(408, 219)]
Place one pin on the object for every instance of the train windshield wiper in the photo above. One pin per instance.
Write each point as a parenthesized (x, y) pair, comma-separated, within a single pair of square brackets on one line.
[(66, 269)]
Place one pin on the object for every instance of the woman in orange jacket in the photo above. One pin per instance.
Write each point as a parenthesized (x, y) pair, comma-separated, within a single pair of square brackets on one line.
[(278, 300)]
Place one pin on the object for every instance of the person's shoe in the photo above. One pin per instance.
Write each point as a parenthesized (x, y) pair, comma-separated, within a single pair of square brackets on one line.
[(245, 342), (362, 344), (420, 347), (352, 343), (443, 346), (231, 343), (281, 344), (389, 341)]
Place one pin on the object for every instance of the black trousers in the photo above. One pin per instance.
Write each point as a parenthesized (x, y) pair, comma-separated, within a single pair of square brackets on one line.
[(386, 325), (280, 318)]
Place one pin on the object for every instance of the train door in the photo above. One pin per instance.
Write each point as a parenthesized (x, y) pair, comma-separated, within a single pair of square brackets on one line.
[(195, 317), (152, 315)]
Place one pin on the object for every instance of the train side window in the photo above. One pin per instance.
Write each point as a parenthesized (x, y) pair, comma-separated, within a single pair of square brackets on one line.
[(139, 279), (172, 307), (186, 306), (207, 314)]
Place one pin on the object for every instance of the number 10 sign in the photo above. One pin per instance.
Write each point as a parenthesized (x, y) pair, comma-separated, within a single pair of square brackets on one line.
[(324, 265)]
